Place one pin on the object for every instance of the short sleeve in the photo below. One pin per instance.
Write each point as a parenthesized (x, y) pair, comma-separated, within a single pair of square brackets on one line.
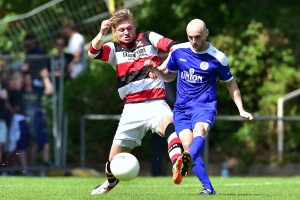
[(172, 64), (223, 70)]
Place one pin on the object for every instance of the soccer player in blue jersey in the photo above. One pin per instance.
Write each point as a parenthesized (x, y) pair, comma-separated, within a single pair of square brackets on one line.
[(198, 65)]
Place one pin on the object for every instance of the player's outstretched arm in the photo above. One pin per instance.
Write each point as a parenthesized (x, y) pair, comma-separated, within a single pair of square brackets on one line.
[(97, 41), (161, 71), (236, 96)]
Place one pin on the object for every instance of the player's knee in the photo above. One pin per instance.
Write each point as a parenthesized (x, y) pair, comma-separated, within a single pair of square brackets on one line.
[(202, 134), (186, 145), (200, 130), (169, 130), (165, 121)]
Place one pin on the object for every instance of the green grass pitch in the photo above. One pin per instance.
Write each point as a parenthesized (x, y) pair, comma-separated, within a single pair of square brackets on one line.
[(160, 188)]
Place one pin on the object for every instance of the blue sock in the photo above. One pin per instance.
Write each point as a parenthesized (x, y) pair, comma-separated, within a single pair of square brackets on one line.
[(197, 146), (198, 167)]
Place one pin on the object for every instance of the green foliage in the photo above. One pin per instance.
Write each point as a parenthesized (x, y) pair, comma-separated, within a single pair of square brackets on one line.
[(93, 93), (264, 71), (261, 40), (18, 6)]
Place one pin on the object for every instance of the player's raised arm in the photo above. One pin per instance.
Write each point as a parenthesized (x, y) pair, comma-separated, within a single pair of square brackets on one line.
[(161, 71), (236, 96), (97, 41)]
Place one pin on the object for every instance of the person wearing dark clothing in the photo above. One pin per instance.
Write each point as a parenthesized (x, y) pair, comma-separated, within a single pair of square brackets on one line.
[(33, 91), (36, 58)]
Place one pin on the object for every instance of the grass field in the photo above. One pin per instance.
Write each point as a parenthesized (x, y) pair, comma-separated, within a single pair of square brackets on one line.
[(141, 188)]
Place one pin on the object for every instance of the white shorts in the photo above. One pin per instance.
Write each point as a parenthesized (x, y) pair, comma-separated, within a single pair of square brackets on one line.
[(3, 132), (137, 119)]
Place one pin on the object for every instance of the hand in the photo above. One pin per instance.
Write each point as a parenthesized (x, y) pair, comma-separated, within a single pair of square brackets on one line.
[(3, 94), (25, 67), (44, 73), (246, 115), (149, 64), (105, 26), (152, 75)]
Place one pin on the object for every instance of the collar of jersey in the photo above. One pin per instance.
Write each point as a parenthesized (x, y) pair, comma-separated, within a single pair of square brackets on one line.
[(200, 52)]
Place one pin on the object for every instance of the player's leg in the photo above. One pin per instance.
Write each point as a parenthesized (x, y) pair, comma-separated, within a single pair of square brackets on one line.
[(126, 138), (111, 181), (162, 123), (182, 124), (167, 129), (115, 149), (196, 149), (183, 163)]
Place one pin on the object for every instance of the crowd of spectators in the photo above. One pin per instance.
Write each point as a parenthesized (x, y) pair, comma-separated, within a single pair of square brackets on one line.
[(24, 137)]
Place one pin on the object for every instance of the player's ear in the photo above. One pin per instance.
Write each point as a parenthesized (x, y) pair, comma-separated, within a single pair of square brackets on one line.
[(207, 32)]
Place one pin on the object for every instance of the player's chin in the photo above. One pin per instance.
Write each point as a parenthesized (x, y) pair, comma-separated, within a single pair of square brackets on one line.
[(196, 47), (127, 40)]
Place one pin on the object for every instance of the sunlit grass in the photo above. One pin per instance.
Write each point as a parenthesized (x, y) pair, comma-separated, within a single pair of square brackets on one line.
[(12, 188)]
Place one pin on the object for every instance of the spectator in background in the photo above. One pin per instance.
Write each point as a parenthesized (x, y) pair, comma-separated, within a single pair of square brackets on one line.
[(4, 77), (5, 115), (33, 91), (3, 125), (36, 58), (19, 135), (75, 47), (63, 59)]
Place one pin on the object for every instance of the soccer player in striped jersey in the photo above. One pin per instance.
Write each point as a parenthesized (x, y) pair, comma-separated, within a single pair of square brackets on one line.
[(198, 64), (145, 107)]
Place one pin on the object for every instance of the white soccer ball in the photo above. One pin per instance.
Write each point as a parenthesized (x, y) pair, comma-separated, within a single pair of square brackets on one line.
[(124, 166)]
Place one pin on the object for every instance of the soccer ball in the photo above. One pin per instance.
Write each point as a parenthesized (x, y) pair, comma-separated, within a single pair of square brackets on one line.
[(124, 166)]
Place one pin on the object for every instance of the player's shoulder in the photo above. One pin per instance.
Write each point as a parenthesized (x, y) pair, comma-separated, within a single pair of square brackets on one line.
[(180, 46), (217, 54), (150, 34)]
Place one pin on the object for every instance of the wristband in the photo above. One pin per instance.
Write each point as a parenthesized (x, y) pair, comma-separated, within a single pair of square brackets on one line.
[(99, 37)]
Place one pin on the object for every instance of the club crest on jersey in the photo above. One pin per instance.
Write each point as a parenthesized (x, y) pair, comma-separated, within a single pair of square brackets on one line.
[(204, 65), (190, 76), (135, 55)]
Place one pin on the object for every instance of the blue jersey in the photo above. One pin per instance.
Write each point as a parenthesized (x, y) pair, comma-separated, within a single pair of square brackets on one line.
[(197, 75)]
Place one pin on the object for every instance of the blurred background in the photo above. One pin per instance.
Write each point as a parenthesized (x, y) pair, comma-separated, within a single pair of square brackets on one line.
[(77, 115)]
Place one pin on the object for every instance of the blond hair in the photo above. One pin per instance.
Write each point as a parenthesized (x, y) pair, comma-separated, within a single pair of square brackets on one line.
[(120, 16)]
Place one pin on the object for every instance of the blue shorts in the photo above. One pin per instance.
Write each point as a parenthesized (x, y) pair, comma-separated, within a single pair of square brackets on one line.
[(186, 119), (24, 140), (40, 134)]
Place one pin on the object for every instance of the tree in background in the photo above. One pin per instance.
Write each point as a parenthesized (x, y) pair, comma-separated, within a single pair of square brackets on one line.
[(261, 39)]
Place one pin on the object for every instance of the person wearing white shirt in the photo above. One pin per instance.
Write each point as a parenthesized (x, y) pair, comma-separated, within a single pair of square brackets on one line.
[(76, 48)]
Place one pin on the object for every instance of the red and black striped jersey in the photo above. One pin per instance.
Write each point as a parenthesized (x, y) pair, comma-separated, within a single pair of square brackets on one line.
[(134, 83)]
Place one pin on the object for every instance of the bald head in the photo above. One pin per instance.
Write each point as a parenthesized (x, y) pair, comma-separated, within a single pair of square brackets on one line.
[(196, 25), (197, 33)]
